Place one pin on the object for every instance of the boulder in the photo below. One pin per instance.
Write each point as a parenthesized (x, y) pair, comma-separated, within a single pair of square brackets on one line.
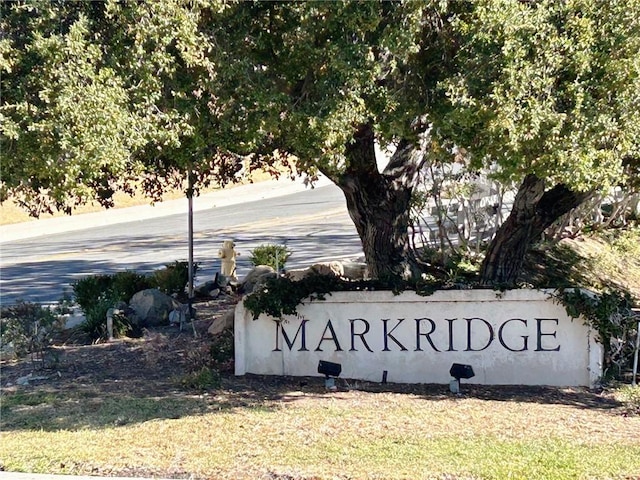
[(205, 289), (297, 274), (222, 323), (257, 276), (224, 281), (152, 307), (333, 269), (213, 288), (355, 270)]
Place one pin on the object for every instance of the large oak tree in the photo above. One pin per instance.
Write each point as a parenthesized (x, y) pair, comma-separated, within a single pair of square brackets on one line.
[(97, 96), (548, 94)]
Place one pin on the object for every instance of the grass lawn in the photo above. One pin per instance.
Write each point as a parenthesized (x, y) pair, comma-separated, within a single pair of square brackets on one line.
[(277, 429)]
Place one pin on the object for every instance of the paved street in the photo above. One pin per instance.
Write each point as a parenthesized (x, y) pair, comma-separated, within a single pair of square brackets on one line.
[(313, 223)]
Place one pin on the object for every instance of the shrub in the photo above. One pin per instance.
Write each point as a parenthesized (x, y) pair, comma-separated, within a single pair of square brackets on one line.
[(117, 287), (201, 380), (96, 294), (173, 278), (88, 290), (125, 285), (29, 328), (272, 255), (95, 324)]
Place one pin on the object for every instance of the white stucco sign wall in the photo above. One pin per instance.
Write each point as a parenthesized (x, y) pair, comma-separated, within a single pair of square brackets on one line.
[(514, 337)]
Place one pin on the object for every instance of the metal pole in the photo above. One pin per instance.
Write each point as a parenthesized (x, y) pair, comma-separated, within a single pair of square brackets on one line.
[(190, 201), (635, 358)]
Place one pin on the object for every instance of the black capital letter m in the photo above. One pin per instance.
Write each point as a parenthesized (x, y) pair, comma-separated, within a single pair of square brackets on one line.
[(301, 331)]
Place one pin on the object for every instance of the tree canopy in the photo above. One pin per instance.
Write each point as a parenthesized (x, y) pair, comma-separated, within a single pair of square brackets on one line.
[(549, 89), (102, 96)]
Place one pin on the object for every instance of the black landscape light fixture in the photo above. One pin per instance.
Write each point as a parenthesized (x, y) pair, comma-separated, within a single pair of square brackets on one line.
[(459, 371), (329, 370)]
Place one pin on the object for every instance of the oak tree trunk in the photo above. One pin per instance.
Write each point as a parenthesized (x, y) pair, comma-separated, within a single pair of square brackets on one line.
[(378, 203), (533, 211)]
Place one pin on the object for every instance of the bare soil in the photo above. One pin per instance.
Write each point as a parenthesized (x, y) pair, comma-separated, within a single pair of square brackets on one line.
[(149, 365)]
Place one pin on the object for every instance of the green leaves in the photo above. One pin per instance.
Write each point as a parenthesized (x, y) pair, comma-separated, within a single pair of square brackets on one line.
[(313, 72), (96, 95), (549, 88)]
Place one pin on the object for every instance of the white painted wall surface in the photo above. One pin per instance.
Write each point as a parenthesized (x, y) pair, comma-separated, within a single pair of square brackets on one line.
[(515, 337)]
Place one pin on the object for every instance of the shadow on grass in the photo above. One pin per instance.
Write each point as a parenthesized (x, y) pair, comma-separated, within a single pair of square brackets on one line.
[(90, 406), (76, 410), (561, 265), (578, 397), (86, 406)]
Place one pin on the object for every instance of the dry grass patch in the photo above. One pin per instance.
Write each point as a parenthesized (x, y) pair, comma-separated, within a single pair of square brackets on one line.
[(277, 428), (598, 261)]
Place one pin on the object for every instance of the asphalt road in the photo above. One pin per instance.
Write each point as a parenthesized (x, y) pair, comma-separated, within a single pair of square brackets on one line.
[(314, 224)]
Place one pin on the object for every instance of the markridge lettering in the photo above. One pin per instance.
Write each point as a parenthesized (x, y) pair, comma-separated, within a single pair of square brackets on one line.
[(427, 335), (473, 334), (361, 334), (525, 338)]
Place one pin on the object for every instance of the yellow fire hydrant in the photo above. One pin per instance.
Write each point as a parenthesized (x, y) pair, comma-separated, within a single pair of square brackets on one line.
[(228, 256)]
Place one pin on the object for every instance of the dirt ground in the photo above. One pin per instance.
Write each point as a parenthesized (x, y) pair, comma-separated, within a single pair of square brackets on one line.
[(151, 366), (159, 357)]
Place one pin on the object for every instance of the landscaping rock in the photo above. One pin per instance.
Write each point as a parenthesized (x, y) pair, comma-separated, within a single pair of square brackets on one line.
[(215, 287), (206, 288), (355, 271), (222, 323), (257, 276), (346, 270), (297, 274), (333, 269), (152, 307)]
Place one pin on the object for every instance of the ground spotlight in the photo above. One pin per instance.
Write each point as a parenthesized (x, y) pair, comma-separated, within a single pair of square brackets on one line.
[(329, 370), (459, 371)]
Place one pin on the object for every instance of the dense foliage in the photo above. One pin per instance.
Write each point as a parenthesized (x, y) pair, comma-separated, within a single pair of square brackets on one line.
[(97, 294), (610, 314), (273, 255), (106, 96)]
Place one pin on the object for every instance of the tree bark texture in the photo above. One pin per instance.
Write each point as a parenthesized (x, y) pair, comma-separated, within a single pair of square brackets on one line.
[(533, 211), (378, 203)]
